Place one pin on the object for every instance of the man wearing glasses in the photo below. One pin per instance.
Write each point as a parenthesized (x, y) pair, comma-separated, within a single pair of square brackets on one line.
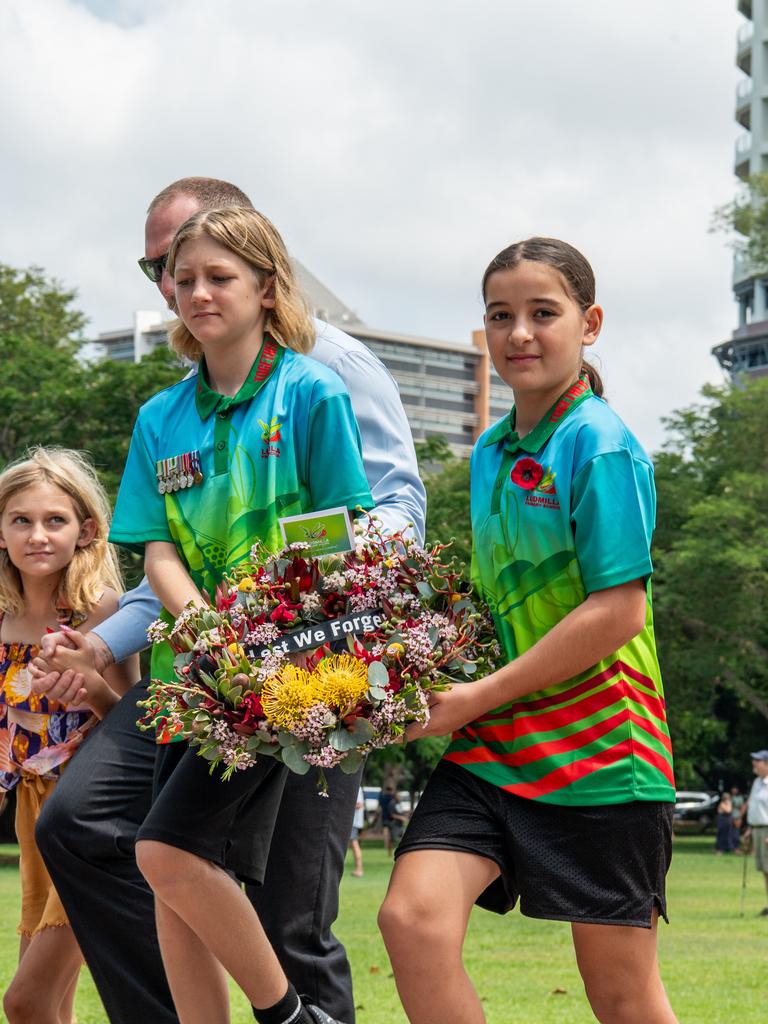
[(88, 828)]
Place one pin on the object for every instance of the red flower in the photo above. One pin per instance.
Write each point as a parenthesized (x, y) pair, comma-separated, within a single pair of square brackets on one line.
[(282, 613), (251, 711), (224, 600), (527, 474)]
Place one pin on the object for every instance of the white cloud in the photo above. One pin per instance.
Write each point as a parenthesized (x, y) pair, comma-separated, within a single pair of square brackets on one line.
[(398, 148)]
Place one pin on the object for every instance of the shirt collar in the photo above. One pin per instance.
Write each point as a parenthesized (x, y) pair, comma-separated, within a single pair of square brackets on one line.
[(208, 401), (535, 439)]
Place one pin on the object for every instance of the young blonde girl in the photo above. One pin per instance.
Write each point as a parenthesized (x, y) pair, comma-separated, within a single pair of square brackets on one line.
[(260, 432), (557, 788), (57, 571)]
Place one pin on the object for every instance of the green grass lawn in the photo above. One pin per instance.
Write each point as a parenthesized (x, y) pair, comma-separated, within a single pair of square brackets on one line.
[(714, 961)]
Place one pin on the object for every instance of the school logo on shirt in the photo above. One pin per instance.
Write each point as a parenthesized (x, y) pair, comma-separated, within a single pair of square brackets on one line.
[(270, 435), (531, 476)]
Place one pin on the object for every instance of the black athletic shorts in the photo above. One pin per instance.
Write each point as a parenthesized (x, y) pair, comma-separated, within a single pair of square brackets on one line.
[(228, 823), (590, 865)]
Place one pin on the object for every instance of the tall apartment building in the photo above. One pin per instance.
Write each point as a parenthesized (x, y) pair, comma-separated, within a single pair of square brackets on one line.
[(746, 351), (448, 388)]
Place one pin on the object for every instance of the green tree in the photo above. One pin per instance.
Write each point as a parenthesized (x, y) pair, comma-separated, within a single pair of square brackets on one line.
[(42, 384), (446, 479), (50, 396), (115, 391), (711, 580), (745, 220)]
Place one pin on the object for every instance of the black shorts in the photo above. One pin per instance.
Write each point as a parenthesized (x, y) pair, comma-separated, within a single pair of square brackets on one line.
[(591, 865), (228, 823)]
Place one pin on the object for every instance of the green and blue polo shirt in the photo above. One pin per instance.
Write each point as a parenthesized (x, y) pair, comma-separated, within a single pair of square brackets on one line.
[(285, 444), (564, 511)]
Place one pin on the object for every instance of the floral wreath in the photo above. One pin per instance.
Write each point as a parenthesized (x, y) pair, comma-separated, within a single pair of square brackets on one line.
[(318, 660)]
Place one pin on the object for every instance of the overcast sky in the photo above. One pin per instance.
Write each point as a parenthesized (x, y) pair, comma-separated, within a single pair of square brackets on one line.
[(398, 147)]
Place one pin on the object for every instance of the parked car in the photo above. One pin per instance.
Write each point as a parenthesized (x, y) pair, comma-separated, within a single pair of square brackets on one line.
[(371, 794), (694, 811)]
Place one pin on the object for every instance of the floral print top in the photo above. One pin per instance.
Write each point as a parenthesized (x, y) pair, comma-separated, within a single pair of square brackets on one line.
[(37, 735)]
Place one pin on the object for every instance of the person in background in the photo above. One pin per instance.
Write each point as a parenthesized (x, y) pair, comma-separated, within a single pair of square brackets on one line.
[(724, 838), (737, 815), (392, 821), (757, 816), (358, 823)]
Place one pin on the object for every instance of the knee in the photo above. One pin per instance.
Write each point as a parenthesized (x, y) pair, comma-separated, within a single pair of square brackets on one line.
[(612, 1003), (168, 870), (404, 923), (19, 1005), (156, 862)]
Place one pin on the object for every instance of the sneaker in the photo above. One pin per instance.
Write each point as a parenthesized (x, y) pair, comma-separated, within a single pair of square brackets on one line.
[(320, 1015), (763, 912)]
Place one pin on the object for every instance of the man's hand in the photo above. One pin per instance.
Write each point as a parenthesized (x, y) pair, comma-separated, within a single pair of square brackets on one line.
[(56, 655)]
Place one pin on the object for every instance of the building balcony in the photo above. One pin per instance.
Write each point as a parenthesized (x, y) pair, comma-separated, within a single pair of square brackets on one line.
[(746, 352), (744, 92), (742, 153), (744, 39)]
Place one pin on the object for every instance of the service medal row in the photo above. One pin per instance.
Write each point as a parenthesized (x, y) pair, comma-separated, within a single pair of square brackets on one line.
[(179, 472)]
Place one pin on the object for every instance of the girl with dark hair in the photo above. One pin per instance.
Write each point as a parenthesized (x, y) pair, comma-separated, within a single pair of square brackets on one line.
[(557, 787)]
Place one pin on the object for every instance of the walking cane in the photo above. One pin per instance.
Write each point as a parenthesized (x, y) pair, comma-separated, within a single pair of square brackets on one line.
[(744, 860), (746, 849)]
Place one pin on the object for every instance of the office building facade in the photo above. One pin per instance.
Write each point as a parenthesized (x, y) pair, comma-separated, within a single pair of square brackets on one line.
[(447, 388), (746, 351)]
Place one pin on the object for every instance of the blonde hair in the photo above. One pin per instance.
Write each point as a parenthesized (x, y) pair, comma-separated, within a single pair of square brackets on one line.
[(250, 235), (94, 566)]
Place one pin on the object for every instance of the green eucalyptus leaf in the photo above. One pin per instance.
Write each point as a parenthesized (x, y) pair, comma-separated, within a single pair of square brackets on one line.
[(342, 739), (351, 762), (293, 761), (363, 729), (377, 674)]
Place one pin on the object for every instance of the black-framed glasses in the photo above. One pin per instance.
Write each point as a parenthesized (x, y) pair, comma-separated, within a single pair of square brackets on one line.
[(154, 268)]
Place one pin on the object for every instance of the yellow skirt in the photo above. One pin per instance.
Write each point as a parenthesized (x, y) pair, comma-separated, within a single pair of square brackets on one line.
[(40, 904)]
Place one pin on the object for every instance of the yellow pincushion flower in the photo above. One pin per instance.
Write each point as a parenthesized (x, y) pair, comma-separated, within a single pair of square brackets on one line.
[(287, 696), (342, 680)]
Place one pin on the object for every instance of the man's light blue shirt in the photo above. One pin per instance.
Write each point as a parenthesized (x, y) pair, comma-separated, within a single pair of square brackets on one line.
[(389, 460)]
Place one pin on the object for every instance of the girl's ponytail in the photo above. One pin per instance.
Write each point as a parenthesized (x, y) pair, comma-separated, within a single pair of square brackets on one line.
[(595, 380)]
